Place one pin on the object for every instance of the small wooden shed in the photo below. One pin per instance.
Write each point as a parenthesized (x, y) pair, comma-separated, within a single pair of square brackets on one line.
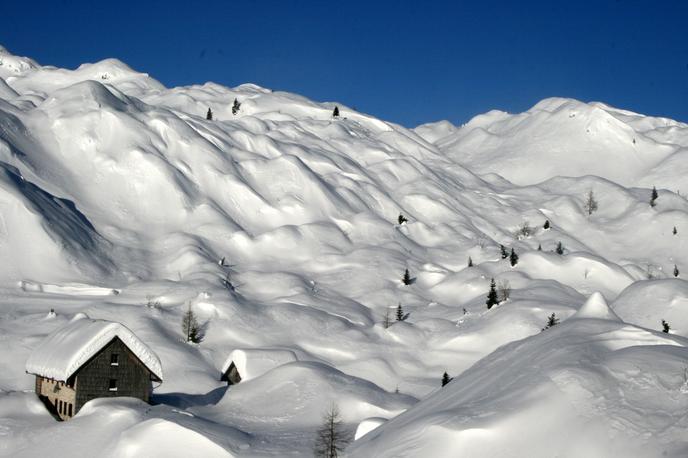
[(245, 364), (88, 359)]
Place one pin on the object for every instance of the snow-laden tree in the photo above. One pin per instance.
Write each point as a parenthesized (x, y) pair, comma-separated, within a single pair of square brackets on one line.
[(492, 298), (209, 115)]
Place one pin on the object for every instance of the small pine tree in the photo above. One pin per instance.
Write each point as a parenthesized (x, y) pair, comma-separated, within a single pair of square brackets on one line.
[(446, 379), (502, 248), (470, 262), (190, 326), (492, 298), (209, 115), (513, 258), (546, 225), (236, 106), (665, 327), (335, 112), (676, 272), (590, 203), (407, 278), (539, 246), (400, 313), (329, 440), (674, 231), (560, 248), (653, 197), (552, 320), (401, 219)]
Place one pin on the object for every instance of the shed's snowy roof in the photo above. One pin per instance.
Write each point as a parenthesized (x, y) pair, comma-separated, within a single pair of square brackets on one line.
[(64, 351), (252, 363)]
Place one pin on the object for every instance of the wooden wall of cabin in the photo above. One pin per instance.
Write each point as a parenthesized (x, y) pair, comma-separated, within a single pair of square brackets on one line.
[(94, 378)]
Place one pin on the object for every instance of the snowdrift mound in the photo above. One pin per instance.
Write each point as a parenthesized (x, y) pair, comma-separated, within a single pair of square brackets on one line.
[(298, 394), (647, 303), (579, 389)]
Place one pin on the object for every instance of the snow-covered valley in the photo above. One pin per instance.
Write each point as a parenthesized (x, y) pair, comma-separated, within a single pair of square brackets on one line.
[(277, 224)]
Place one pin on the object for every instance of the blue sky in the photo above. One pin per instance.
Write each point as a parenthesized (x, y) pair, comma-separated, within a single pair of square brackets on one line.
[(408, 62)]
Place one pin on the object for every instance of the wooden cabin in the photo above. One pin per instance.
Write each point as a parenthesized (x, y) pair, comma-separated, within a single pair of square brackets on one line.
[(245, 364), (88, 359)]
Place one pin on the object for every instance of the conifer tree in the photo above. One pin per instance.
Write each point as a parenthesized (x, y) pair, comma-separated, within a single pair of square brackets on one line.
[(470, 262), (513, 258), (665, 327), (209, 115), (539, 246), (591, 203), (329, 440), (446, 379), (190, 326), (407, 277), (676, 272), (492, 295), (236, 106), (560, 248), (335, 112), (546, 225), (653, 197), (674, 231), (402, 219), (552, 320), (400, 313), (502, 248)]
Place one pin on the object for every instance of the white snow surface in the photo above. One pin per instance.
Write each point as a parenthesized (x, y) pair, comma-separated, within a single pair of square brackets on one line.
[(118, 199), (64, 351)]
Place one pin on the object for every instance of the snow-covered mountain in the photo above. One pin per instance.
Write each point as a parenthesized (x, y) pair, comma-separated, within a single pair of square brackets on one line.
[(118, 199)]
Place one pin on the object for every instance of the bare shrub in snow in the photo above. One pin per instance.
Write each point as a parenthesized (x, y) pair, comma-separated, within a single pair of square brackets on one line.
[(525, 230), (504, 290), (153, 302)]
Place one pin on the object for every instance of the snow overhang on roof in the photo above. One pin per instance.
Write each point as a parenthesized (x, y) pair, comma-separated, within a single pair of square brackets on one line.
[(68, 348)]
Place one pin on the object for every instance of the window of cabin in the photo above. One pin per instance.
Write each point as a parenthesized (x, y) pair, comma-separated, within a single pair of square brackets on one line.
[(114, 359), (112, 386)]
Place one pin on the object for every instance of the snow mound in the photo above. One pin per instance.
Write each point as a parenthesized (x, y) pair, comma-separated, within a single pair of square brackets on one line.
[(159, 438), (299, 393), (252, 363), (647, 303), (64, 351), (596, 307), (580, 389), (367, 426)]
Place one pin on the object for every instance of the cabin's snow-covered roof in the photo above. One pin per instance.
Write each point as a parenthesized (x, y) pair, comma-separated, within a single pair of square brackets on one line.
[(252, 363), (64, 351)]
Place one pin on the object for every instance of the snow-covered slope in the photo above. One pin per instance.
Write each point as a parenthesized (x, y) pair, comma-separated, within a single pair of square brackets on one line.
[(278, 226), (580, 389), (570, 138)]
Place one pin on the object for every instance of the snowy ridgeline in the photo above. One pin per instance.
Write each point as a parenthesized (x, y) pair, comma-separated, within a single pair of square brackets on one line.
[(118, 197)]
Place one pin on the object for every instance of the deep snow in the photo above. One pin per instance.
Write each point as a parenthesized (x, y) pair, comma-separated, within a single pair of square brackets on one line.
[(118, 199)]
